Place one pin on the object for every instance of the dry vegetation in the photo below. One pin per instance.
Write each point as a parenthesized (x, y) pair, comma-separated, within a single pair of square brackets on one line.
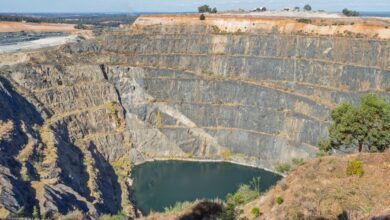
[(323, 188)]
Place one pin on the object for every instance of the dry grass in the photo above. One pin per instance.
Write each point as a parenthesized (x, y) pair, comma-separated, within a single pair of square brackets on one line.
[(322, 187), (4, 213), (5, 128)]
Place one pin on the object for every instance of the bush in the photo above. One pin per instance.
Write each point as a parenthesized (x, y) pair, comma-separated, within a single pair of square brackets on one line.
[(255, 212), (244, 194), (202, 17), (307, 8), (298, 161), (324, 144), (283, 168), (304, 20), (178, 207), (279, 200), (350, 13), (355, 167), (321, 153)]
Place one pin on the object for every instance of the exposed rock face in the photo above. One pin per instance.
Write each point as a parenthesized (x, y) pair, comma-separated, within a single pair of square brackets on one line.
[(73, 120)]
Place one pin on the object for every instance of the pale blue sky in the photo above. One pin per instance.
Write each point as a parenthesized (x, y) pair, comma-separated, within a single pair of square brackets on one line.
[(180, 5)]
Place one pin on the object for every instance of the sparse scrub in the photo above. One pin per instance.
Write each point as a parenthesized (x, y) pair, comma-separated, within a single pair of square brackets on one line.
[(304, 20), (324, 144), (298, 161), (355, 167), (119, 216), (255, 212), (178, 207), (283, 168), (226, 154), (321, 153), (279, 200), (243, 195)]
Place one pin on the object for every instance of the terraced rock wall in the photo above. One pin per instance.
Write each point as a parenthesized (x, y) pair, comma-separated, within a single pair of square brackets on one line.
[(74, 120)]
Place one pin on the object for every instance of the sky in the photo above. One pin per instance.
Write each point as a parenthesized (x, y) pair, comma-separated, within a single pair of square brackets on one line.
[(61, 6)]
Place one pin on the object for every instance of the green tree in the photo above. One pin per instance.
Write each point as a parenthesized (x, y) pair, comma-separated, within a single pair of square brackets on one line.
[(307, 8), (350, 13), (367, 124), (204, 9), (214, 11)]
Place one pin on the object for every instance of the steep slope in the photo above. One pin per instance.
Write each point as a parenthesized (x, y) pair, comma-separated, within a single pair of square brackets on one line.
[(74, 120), (322, 188)]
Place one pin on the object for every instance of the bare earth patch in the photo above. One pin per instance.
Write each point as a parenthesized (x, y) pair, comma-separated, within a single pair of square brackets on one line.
[(9, 26)]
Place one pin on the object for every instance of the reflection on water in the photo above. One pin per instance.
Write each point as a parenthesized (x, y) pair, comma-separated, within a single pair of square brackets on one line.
[(161, 184)]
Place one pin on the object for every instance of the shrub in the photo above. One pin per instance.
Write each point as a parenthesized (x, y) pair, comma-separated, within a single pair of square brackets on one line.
[(202, 17), (119, 216), (226, 154), (243, 195), (255, 212), (298, 161), (283, 168), (178, 207), (279, 200), (324, 144), (355, 167), (321, 153), (304, 20)]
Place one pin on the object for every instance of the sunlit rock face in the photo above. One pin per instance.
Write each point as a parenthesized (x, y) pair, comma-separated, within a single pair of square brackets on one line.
[(73, 120)]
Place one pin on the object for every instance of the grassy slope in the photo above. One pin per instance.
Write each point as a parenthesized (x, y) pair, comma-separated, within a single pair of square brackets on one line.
[(321, 187)]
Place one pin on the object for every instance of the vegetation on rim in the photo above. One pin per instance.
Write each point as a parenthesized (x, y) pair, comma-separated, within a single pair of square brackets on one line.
[(365, 126)]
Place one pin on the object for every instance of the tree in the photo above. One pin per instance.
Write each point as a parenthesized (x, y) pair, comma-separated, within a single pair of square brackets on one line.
[(367, 124), (307, 8), (202, 17), (214, 10), (350, 13), (204, 9)]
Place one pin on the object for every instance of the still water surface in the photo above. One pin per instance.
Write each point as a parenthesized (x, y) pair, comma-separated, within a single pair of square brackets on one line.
[(161, 184)]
